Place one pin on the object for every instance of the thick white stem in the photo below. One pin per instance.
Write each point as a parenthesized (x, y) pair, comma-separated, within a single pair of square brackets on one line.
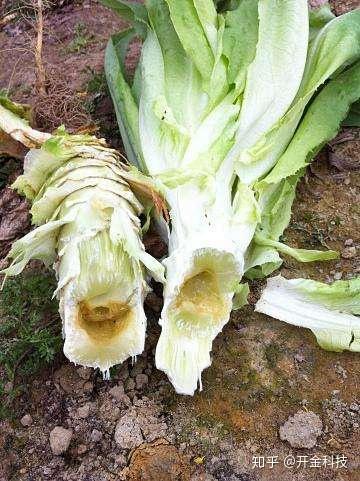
[(203, 268)]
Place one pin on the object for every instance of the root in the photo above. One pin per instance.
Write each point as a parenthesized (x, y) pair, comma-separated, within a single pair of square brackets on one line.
[(59, 105), (40, 70), (55, 103), (7, 19)]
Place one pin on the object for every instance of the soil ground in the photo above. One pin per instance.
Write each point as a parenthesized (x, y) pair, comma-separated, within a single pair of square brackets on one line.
[(263, 371)]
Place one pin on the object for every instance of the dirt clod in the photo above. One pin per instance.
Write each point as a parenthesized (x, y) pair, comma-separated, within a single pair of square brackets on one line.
[(84, 411), (82, 449), (158, 461), (26, 420), (316, 3), (60, 439), (349, 252), (69, 380), (117, 392), (343, 419), (96, 436), (301, 430), (127, 432), (141, 381)]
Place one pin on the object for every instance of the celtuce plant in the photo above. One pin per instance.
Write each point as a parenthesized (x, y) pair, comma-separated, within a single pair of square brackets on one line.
[(330, 311), (86, 206), (215, 114)]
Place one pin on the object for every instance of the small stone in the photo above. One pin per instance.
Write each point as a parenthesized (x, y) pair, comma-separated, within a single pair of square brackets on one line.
[(68, 378), (348, 252), (88, 386), (348, 242), (338, 276), (299, 357), (127, 432), (108, 411), (129, 384), (26, 420), (182, 447), (354, 407), (141, 381), (333, 443), (340, 370), (152, 431), (302, 430), (83, 411), (60, 440), (8, 387), (120, 460), (81, 449), (96, 436), (117, 392)]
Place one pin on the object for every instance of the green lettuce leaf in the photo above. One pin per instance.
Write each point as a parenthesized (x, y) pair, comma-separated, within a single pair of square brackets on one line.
[(125, 105), (192, 36), (240, 40), (274, 76), (133, 12), (320, 124), (325, 59)]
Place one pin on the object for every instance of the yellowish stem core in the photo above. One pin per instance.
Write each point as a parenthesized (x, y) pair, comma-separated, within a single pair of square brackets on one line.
[(199, 301), (102, 323)]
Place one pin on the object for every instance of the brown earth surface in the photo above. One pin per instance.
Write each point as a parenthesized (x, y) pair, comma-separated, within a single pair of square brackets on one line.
[(263, 371)]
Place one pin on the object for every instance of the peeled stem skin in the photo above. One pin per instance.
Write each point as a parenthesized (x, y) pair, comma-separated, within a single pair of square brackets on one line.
[(296, 302)]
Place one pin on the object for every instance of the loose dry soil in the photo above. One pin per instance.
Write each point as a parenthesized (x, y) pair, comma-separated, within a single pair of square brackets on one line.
[(135, 427)]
